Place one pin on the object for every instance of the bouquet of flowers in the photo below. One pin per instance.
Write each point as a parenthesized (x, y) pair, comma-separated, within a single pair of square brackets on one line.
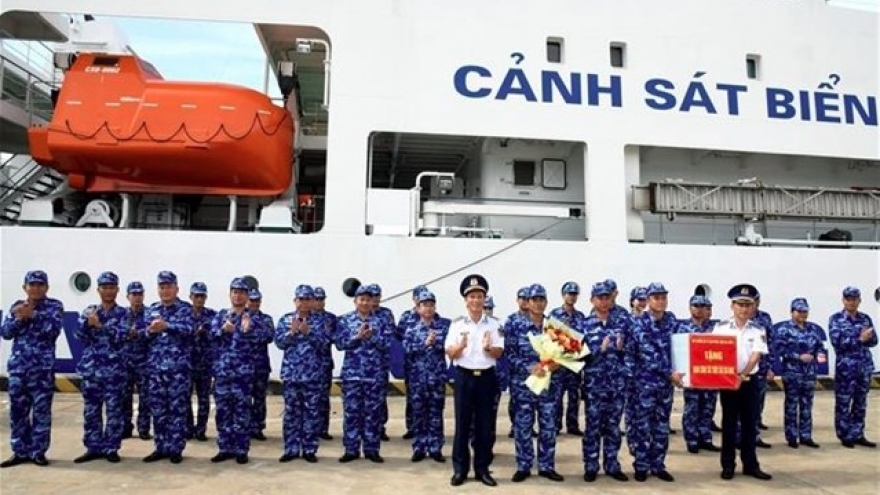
[(557, 344)]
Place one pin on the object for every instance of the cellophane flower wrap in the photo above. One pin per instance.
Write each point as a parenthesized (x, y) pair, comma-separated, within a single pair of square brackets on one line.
[(558, 343)]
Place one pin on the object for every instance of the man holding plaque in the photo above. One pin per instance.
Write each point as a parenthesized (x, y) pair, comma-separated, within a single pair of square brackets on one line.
[(740, 406)]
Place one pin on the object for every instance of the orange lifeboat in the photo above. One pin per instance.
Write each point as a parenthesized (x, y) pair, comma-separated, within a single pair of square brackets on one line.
[(119, 127)]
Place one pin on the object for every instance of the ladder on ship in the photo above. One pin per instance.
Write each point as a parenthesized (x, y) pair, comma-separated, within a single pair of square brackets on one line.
[(750, 199)]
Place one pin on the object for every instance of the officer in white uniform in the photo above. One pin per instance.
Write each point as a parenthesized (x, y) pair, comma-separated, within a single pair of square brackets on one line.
[(740, 406), (474, 343)]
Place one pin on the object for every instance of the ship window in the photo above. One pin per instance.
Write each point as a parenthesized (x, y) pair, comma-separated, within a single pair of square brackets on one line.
[(753, 66), (703, 290), (553, 174), (554, 50), (106, 61), (523, 173), (618, 54), (80, 281), (877, 294)]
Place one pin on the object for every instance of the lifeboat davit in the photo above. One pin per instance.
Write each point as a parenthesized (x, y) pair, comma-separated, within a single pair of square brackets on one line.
[(119, 127)]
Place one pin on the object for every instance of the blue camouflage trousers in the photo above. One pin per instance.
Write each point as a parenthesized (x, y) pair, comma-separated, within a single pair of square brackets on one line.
[(30, 412), (798, 421), (169, 402), (428, 398), (201, 385), (851, 388), (571, 387), (136, 378), (651, 426), (232, 395), (696, 421), (324, 401), (362, 402), (259, 389), (630, 414), (302, 424), (603, 408), (103, 421), (526, 405)]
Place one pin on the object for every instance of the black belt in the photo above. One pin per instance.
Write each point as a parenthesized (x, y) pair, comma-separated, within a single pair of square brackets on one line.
[(471, 372)]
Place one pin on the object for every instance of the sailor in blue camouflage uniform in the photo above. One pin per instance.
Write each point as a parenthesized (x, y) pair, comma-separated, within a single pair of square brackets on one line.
[(407, 319), (699, 405), (303, 337), (502, 365), (234, 333), (169, 328), (765, 368), (571, 381), (603, 389), (651, 365), (798, 345), (262, 365), (365, 337), (329, 324), (852, 335), (102, 330), (638, 301), (423, 343), (387, 321), (33, 324), (524, 361), (202, 356), (136, 350)]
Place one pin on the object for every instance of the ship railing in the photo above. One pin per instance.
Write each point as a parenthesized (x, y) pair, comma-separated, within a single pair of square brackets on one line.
[(35, 96)]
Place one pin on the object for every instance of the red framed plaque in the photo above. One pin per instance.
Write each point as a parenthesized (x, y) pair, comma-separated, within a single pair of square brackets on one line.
[(712, 361)]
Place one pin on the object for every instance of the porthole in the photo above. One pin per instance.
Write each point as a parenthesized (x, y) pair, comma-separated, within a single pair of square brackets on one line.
[(703, 290), (251, 282), (80, 282), (350, 286)]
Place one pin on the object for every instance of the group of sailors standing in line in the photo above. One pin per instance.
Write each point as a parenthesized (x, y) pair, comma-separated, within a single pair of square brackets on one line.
[(167, 350)]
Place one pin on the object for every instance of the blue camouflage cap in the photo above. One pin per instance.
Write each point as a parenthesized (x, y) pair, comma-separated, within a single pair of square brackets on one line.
[(611, 284), (362, 290), (108, 278), (799, 304), (851, 291), (537, 290), (743, 292), (166, 277), (375, 290), (489, 304), (655, 288), (522, 293), (198, 289), (304, 292), (600, 289), (237, 283), (319, 293), (473, 282), (135, 288), (36, 277), (418, 290), (255, 295), (638, 293), (426, 295), (697, 300), (571, 288)]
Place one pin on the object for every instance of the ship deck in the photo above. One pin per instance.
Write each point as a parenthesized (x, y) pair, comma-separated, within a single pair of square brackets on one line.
[(830, 470)]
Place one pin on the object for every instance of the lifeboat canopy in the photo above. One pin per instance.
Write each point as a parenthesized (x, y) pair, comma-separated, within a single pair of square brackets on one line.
[(118, 126)]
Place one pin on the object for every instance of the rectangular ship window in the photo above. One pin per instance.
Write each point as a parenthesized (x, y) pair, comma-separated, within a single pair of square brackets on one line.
[(554, 50), (753, 66), (523, 173), (617, 52)]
